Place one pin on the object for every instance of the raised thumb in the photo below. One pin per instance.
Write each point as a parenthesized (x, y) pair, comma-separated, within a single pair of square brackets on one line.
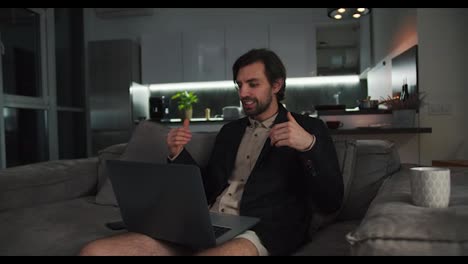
[(186, 123), (291, 118)]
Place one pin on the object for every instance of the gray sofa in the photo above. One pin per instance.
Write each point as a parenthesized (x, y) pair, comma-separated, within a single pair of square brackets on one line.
[(55, 207)]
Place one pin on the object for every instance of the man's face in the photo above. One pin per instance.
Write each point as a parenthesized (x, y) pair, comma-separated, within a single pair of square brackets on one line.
[(255, 92)]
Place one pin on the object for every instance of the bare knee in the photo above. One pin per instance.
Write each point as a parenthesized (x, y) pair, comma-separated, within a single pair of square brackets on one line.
[(92, 249), (129, 244)]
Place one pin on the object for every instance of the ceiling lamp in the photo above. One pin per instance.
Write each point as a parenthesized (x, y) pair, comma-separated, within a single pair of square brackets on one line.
[(347, 13)]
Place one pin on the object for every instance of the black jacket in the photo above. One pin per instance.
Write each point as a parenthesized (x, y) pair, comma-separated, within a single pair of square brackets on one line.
[(284, 185)]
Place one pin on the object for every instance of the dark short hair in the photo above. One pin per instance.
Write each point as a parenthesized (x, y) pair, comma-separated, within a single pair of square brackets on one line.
[(274, 68)]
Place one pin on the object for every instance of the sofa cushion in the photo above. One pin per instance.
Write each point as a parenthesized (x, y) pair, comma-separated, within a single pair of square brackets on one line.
[(330, 241), (200, 147), (52, 229), (148, 144), (346, 151), (46, 182), (376, 160), (109, 153), (393, 225)]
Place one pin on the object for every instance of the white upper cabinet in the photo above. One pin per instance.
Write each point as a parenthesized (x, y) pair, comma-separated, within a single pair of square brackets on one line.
[(203, 54), (295, 45), (338, 49), (208, 54), (240, 39), (161, 58)]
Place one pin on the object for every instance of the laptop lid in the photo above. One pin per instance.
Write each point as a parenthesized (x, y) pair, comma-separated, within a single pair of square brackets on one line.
[(168, 202)]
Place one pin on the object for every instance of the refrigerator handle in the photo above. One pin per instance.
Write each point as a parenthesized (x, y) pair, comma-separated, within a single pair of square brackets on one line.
[(2, 48)]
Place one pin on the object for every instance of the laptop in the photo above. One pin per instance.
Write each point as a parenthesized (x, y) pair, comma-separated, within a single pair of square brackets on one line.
[(167, 202)]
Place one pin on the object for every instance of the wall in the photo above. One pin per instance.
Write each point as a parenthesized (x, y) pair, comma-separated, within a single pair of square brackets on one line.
[(393, 30), (443, 54), (365, 44)]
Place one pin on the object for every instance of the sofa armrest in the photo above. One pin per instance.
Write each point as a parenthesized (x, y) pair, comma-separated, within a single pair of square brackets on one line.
[(47, 182), (394, 226)]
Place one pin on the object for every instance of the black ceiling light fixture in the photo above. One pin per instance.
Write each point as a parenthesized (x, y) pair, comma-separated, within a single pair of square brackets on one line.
[(347, 13)]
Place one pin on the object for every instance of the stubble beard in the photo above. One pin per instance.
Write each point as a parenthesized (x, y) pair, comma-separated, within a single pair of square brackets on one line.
[(260, 107)]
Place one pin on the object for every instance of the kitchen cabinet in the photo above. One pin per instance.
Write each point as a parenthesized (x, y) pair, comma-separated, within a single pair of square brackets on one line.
[(203, 54), (240, 39), (161, 58), (295, 45), (208, 54), (338, 49)]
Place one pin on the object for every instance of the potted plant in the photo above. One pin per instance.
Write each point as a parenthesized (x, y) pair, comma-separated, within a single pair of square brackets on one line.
[(414, 102), (185, 102), (404, 111)]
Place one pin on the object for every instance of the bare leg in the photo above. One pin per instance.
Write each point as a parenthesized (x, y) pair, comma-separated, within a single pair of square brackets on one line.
[(131, 244), (235, 247)]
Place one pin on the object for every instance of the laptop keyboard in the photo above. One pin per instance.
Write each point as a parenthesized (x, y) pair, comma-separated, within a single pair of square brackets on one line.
[(219, 230)]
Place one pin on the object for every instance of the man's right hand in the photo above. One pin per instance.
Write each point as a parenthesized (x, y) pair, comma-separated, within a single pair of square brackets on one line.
[(177, 138)]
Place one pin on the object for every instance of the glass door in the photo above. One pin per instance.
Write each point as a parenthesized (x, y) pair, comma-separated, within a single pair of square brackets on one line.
[(25, 93), (70, 83)]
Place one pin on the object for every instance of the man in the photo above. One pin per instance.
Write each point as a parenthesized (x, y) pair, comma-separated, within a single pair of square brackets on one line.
[(272, 164)]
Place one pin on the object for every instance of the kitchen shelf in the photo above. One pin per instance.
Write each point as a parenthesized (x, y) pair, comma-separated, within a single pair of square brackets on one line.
[(354, 112), (377, 130), (178, 120)]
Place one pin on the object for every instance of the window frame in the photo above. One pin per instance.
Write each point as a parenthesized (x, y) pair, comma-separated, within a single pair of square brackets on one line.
[(48, 99)]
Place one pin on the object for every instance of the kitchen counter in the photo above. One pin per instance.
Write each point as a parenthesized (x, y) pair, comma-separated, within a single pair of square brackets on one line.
[(354, 111), (195, 120), (215, 124), (380, 130)]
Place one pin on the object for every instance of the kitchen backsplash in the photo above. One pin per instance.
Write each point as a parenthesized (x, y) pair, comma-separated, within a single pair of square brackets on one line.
[(302, 94)]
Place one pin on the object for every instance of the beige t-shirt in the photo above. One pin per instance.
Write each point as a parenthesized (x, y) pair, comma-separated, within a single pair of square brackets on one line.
[(249, 149)]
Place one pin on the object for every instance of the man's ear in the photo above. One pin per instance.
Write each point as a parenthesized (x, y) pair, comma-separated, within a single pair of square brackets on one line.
[(277, 85)]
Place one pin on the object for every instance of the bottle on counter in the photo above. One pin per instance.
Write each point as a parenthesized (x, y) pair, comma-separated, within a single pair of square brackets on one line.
[(404, 90), (159, 108), (207, 113)]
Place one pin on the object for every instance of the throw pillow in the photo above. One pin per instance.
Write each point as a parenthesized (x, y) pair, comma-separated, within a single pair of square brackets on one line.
[(109, 153), (147, 144), (346, 152), (200, 147)]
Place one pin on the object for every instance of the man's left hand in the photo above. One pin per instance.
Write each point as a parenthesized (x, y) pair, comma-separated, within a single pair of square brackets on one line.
[(291, 134)]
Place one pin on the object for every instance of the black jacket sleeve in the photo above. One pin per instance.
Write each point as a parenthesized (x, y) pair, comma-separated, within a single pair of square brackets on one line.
[(322, 171)]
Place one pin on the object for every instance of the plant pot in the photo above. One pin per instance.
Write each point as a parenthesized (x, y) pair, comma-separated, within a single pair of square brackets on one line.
[(403, 118), (188, 113)]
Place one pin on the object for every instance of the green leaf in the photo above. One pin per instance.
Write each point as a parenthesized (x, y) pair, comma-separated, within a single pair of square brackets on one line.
[(185, 99)]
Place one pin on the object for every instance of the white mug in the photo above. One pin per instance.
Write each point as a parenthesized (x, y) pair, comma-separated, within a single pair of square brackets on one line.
[(430, 186)]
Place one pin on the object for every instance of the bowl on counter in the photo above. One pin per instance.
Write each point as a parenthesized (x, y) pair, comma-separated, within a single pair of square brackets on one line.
[(368, 104), (334, 124)]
